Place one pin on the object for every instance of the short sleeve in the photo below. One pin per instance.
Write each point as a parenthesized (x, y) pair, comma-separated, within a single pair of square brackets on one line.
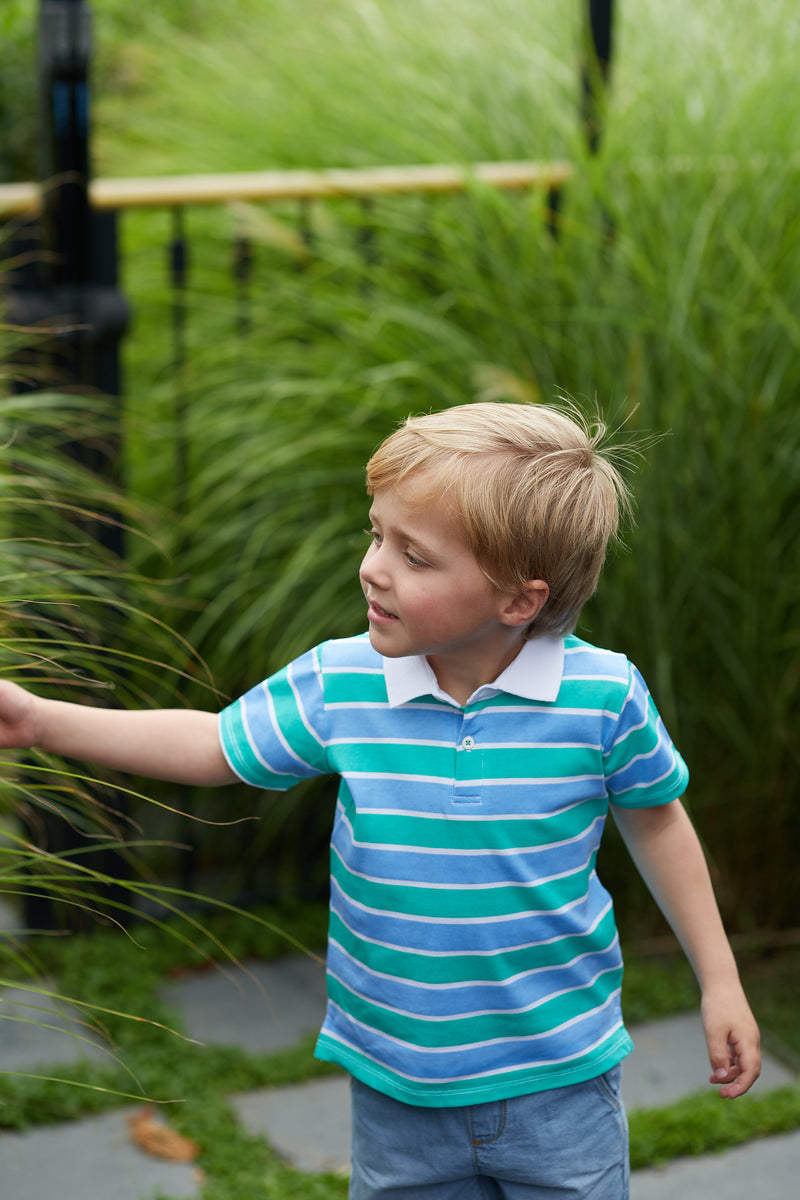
[(642, 766), (274, 735)]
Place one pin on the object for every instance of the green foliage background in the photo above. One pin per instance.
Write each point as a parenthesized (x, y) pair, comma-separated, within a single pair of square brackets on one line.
[(669, 298)]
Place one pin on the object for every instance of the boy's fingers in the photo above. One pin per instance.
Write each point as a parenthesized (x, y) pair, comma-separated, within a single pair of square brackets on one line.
[(723, 1074), (740, 1085), (734, 1067), (721, 1053)]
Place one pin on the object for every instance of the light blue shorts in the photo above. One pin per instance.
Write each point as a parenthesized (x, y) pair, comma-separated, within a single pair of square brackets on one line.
[(569, 1143)]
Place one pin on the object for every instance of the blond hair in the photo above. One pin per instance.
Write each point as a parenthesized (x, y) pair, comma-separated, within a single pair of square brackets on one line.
[(534, 492)]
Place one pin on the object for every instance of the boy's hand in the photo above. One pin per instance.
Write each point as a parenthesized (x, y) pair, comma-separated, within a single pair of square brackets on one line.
[(733, 1042), (18, 723)]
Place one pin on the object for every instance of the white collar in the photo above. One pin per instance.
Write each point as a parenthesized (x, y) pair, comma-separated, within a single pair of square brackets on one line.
[(535, 674)]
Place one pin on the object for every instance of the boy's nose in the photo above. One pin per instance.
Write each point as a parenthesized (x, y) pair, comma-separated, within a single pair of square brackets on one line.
[(372, 571)]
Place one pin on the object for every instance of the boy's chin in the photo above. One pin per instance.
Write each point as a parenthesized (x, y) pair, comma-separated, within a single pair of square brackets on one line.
[(379, 643)]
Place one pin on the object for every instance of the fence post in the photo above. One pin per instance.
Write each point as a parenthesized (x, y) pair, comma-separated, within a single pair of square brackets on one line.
[(597, 39), (596, 68), (67, 287)]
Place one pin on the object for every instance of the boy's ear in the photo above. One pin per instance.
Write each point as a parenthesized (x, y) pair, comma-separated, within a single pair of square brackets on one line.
[(520, 608)]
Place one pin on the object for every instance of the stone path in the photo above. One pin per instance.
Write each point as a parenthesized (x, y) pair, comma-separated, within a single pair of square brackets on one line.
[(265, 1007)]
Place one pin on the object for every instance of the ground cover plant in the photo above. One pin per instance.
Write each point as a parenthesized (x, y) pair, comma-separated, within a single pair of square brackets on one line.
[(127, 974)]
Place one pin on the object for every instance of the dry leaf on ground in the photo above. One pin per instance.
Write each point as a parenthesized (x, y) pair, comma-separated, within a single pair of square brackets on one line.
[(156, 1138)]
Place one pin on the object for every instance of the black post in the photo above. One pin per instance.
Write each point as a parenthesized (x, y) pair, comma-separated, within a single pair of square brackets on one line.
[(70, 277), (598, 24), (596, 68), (67, 287)]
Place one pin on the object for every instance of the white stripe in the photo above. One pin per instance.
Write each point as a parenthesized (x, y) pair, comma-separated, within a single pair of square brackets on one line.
[(329, 670), (450, 818), (455, 744), (318, 670)]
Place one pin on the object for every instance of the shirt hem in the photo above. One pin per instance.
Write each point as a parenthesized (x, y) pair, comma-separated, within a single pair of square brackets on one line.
[(463, 1092)]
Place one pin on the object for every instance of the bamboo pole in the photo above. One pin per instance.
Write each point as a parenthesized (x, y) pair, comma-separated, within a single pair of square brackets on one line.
[(167, 191)]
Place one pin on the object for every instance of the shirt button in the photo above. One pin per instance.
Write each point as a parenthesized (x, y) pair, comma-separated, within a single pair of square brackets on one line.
[(468, 743)]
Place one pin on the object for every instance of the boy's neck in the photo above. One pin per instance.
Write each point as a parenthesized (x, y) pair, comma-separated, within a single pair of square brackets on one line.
[(461, 676)]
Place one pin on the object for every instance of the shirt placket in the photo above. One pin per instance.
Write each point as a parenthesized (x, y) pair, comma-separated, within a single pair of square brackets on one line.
[(468, 782)]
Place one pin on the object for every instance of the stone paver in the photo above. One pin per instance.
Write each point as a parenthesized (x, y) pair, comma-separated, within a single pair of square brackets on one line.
[(764, 1170), (266, 1007), (670, 1061), (93, 1159), (262, 1007), (37, 1030), (308, 1124)]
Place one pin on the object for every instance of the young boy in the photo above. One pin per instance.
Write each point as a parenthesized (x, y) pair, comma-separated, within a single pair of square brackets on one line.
[(473, 962)]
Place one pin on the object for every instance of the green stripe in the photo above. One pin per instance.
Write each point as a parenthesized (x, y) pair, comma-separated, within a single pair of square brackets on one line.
[(543, 762), (447, 903), (608, 694), (354, 687), (498, 833), (444, 762), (395, 758)]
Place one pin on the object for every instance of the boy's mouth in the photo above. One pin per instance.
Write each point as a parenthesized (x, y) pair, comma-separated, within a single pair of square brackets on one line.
[(376, 613)]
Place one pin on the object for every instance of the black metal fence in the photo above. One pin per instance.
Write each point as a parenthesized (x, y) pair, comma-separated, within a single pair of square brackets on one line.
[(61, 233), (67, 224)]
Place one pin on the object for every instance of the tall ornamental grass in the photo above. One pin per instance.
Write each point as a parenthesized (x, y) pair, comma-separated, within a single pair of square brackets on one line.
[(76, 623), (689, 345), (668, 298), (77, 849)]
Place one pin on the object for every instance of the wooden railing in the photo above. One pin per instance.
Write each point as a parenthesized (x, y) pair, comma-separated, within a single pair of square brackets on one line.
[(24, 199)]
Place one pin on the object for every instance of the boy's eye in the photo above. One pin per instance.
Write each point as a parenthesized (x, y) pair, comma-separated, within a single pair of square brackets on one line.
[(376, 537)]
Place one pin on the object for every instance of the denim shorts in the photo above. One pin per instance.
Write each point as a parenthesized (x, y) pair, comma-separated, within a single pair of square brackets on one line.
[(569, 1143)]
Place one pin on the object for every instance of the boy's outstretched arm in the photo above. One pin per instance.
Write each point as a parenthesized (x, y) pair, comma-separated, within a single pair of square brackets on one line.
[(666, 850), (179, 745)]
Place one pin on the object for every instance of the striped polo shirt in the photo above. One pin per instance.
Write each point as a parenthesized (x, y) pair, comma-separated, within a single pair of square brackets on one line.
[(472, 953)]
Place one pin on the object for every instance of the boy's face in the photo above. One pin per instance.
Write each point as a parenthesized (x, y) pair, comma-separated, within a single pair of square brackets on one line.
[(425, 590)]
